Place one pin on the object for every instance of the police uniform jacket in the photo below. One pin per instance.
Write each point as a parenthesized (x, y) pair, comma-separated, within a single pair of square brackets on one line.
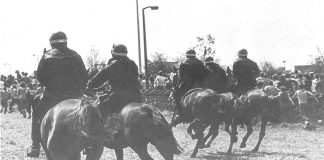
[(62, 72), (192, 70), (245, 71), (122, 74), (216, 77)]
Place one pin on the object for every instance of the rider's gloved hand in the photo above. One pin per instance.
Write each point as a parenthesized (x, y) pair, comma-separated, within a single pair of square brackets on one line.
[(89, 92)]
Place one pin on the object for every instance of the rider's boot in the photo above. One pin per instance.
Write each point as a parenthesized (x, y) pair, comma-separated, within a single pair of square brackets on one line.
[(36, 138), (179, 117), (34, 150)]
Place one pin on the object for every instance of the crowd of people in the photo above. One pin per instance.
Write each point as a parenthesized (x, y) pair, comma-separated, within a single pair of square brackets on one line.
[(18, 90)]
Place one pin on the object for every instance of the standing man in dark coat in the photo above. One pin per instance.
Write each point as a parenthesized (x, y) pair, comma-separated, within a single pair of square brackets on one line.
[(122, 75), (191, 74), (245, 71), (216, 79), (63, 74)]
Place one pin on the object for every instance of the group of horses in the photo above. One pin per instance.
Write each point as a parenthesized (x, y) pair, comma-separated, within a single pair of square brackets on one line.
[(77, 125), (205, 107)]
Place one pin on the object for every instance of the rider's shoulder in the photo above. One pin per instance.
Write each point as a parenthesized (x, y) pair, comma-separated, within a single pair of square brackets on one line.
[(113, 62), (52, 53), (56, 53)]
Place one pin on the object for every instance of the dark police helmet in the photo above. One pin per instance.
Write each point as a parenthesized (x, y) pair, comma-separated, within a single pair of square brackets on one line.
[(209, 60), (191, 53), (243, 52), (119, 50), (58, 37)]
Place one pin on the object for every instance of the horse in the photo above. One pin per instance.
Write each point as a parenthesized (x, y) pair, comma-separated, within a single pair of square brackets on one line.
[(137, 125), (227, 102), (202, 108), (71, 126), (248, 106)]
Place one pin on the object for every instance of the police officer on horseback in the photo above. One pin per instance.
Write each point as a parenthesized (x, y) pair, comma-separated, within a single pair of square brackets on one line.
[(216, 79), (191, 74), (122, 75), (245, 71), (63, 74)]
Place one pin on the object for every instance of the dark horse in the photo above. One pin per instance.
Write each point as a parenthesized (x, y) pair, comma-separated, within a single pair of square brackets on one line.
[(247, 107), (137, 125), (202, 107), (253, 103), (71, 126)]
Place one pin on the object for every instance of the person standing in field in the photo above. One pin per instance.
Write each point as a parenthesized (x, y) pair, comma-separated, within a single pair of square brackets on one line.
[(302, 94), (4, 97), (22, 94)]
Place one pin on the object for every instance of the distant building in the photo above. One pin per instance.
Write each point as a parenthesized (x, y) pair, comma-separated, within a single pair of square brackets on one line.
[(306, 68)]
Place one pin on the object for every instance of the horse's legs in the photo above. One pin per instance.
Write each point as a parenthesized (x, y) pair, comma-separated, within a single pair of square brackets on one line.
[(214, 129), (200, 135), (47, 153), (194, 126), (95, 152), (198, 144), (261, 135), (119, 154), (141, 150), (247, 135), (233, 135)]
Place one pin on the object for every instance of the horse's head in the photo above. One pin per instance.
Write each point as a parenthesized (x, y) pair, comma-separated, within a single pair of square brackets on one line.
[(284, 98), (272, 110)]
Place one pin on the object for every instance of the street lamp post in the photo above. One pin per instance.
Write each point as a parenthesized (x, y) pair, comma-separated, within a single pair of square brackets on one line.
[(8, 66), (37, 57), (145, 47), (138, 40)]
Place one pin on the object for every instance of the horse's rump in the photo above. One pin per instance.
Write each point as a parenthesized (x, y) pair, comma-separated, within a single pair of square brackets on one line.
[(200, 103)]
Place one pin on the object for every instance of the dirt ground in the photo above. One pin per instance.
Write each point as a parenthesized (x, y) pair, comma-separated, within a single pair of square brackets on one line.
[(284, 142)]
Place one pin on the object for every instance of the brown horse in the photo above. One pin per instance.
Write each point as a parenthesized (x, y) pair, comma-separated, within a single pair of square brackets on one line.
[(137, 125), (201, 108), (71, 126)]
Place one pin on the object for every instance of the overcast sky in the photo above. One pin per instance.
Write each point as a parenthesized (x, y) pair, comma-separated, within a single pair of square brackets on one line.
[(275, 30)]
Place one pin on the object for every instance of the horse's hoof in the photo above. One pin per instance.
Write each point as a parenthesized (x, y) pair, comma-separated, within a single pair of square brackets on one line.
[(194, 136), (235, 139), (242, 145), (193, 156), (254, 150), (202, 146)]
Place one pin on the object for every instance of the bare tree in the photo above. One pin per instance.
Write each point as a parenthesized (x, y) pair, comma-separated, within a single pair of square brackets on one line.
[(158, 63), (269, 68), (93, 58), (318, 61)]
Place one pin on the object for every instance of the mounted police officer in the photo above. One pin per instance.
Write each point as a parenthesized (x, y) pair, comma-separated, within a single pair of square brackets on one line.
[(191, 74), (62, 72), (122, 75), (216, 79), (245, 71)]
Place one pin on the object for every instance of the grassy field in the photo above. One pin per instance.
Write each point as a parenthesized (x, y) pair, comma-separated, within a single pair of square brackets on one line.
[(282, 142)]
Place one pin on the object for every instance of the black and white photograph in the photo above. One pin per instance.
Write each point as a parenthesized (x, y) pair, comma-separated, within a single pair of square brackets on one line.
[(162, 80)]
